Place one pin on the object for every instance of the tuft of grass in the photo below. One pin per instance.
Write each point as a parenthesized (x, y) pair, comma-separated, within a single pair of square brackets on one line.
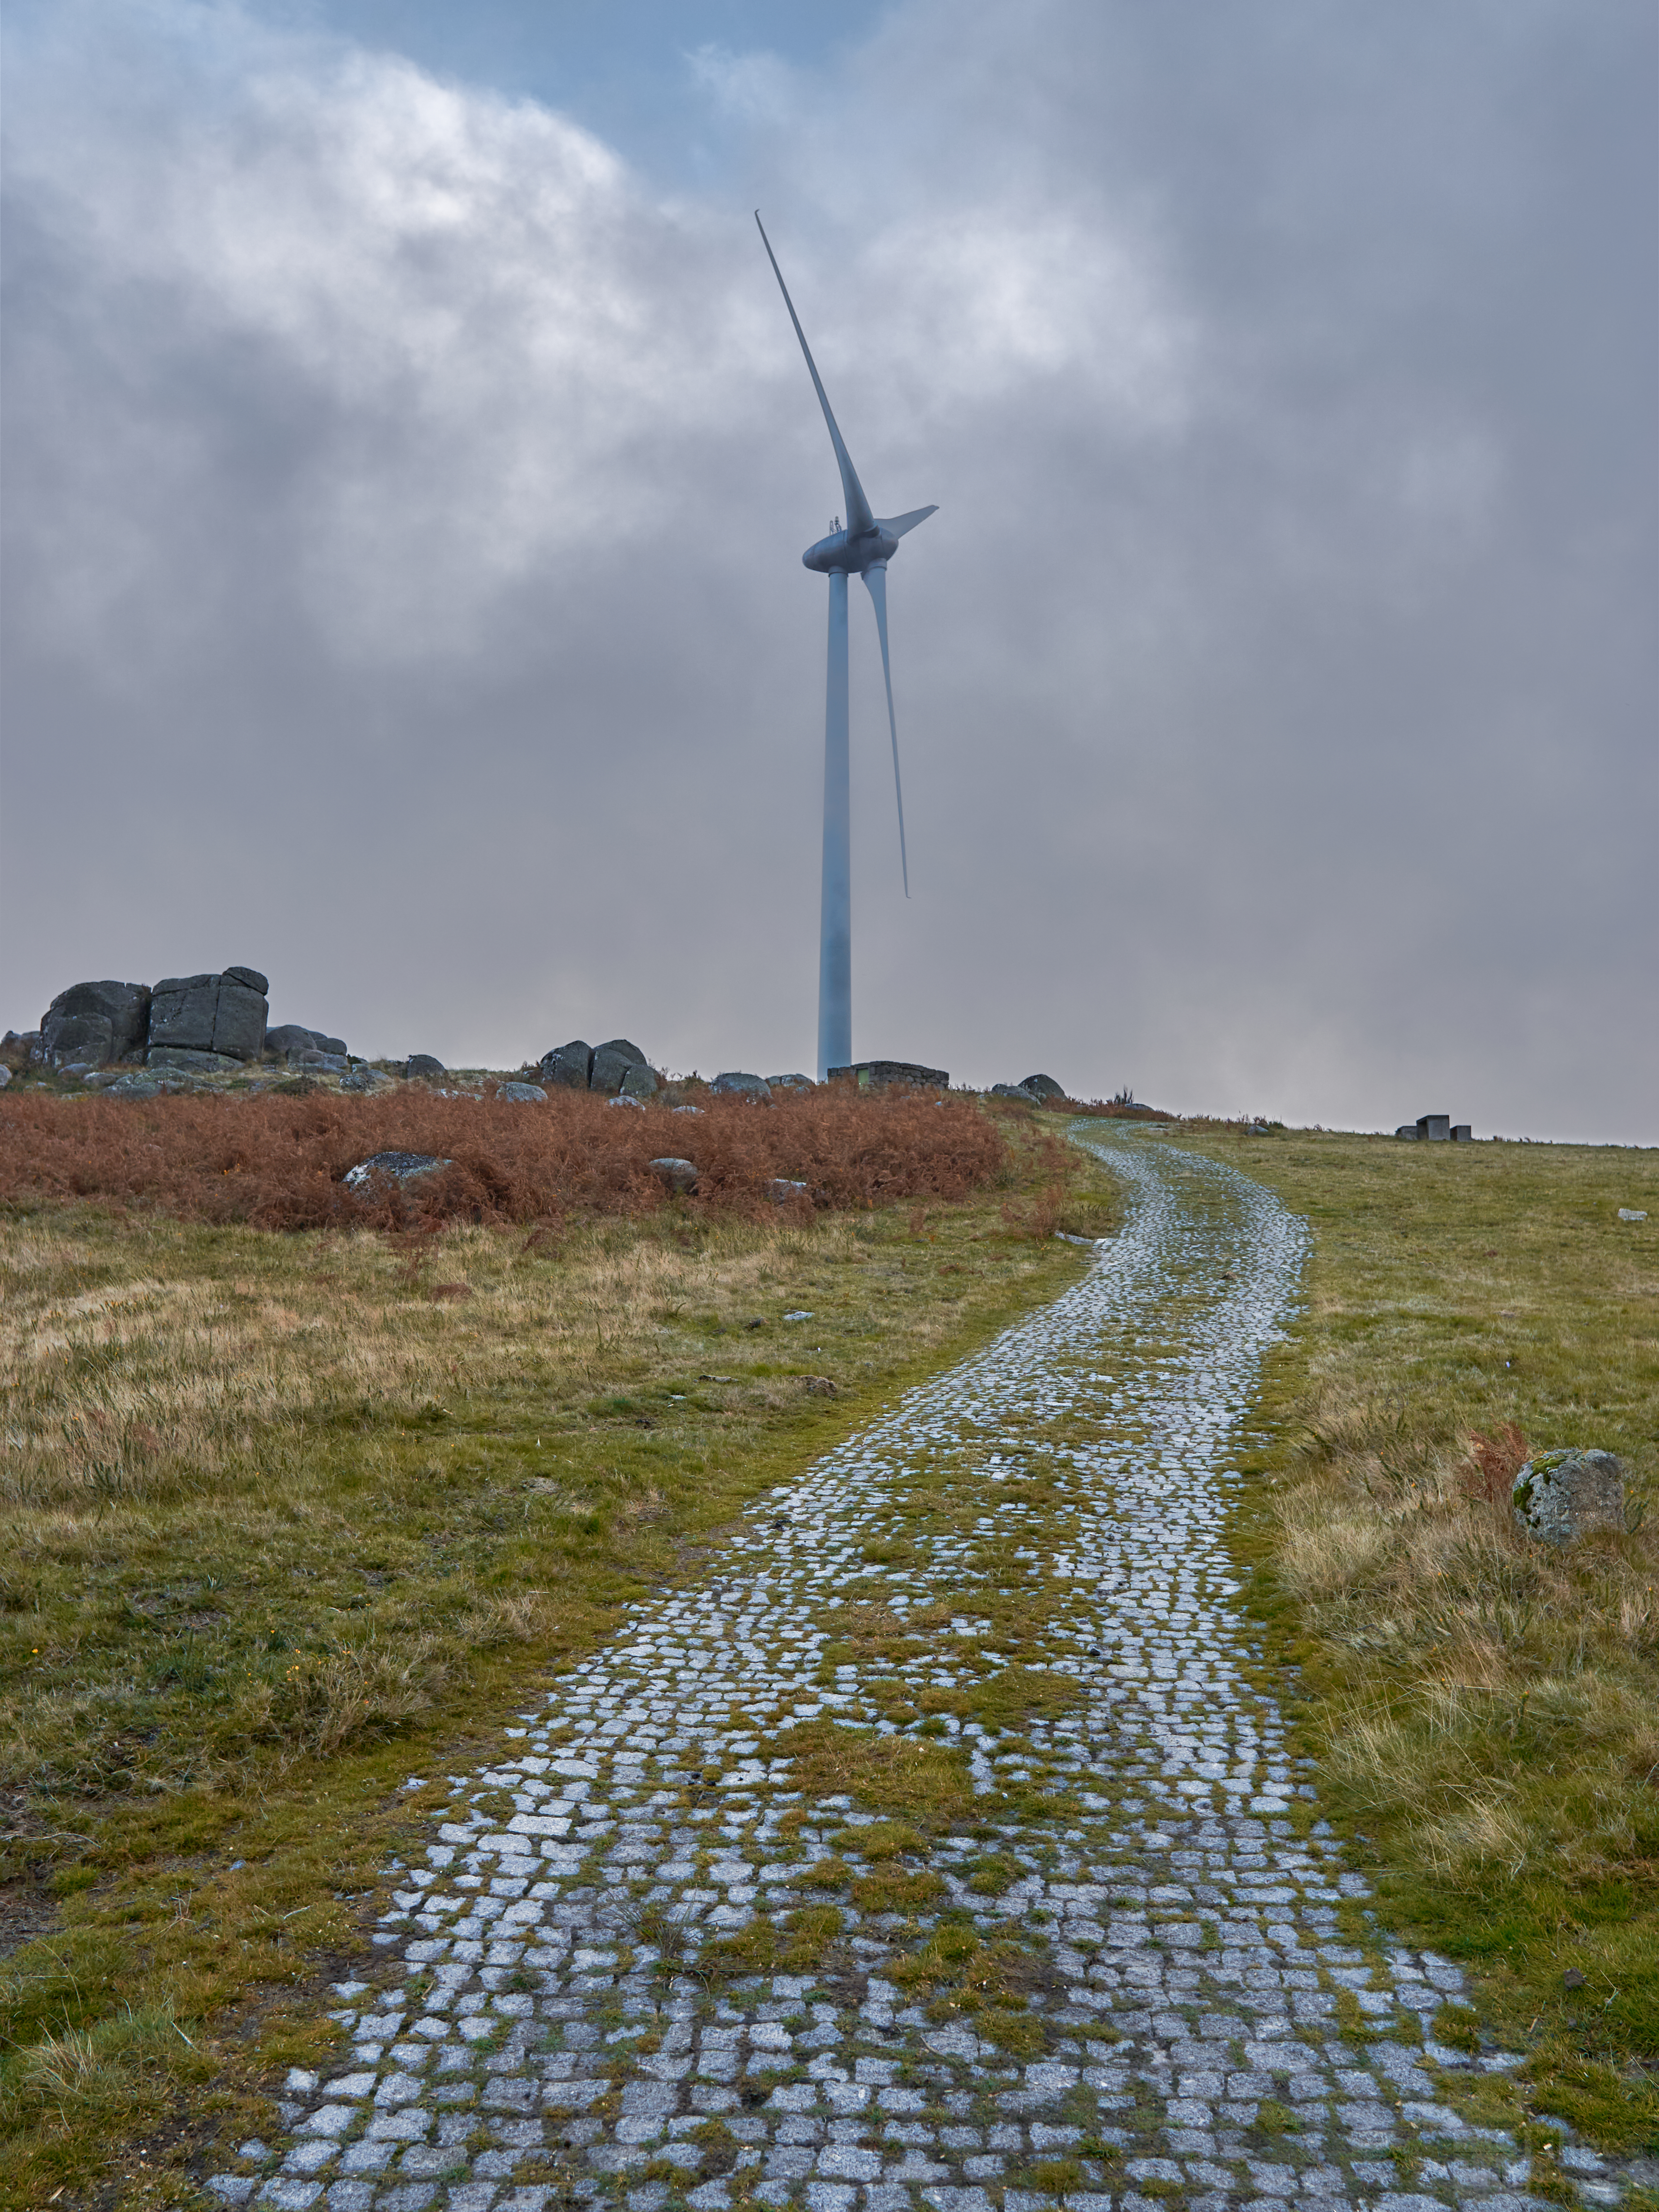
[(1485, 1707)]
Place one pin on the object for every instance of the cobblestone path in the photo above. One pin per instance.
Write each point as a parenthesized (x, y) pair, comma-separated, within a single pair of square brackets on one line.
[(939, 1850)]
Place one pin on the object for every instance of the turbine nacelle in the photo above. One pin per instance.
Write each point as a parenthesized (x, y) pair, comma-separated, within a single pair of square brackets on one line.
[(855, 552), (848, 555)]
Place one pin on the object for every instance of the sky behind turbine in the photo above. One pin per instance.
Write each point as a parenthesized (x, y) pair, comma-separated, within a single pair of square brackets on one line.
[(409, 461)]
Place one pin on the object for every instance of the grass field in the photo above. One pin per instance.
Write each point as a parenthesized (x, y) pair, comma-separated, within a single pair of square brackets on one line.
[(294, 1519), (1486, 1709)]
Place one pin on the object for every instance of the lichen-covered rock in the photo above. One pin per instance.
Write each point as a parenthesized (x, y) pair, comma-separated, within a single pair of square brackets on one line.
[(239, 1020), (422, 1063), (526, 1094), (1560, 1496), (679, 1175), (1043, 1086), (640, 1082), (363, 1078), (734, 1084), (185, 1061), (401, 1167)]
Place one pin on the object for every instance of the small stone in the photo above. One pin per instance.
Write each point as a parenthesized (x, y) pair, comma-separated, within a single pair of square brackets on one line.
[(526, 1094), (421, 1063), (1015, 1090), (781, 1189), (5, 1077), (638, 1104), (733, 1084), (401, 1167), (1632, 1213), (363, 1078), (679, 1175), (1560, 1496)]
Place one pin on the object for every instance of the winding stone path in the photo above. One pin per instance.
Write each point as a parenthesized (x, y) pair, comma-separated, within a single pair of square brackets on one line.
[(942, 1850)]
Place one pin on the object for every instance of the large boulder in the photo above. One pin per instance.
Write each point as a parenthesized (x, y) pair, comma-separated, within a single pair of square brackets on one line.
[(679, 1175), (1560, 1496), (239, 1023), (733, 1084), (884, 1074), (95, 1023), (423, 1064), (611, 1062), (640, 1082), (1041, 1086), (182, 1012), (568, 1064), (287, 1037), (223, 1013), (791, 1083)]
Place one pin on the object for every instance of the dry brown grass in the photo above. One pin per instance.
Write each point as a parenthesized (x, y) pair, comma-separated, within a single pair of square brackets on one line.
[(278, 1162)]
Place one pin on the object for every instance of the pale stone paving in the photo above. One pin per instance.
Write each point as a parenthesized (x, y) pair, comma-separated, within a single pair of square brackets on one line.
[(1202, 2029)]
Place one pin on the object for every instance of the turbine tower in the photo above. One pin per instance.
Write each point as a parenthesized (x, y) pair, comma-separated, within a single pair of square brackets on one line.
[(862, 547)]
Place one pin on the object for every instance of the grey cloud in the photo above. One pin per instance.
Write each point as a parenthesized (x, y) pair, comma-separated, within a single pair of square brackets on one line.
[(406, 503)]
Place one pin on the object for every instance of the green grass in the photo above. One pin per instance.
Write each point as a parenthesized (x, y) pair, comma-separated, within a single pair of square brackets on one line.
[(1486, 1709), (284, 1530)]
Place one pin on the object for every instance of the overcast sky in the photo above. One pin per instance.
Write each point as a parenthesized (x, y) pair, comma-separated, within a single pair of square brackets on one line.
[(409, 461)]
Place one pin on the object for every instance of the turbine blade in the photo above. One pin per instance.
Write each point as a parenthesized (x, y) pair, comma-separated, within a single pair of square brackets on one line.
[(876, 579), (859, 516), (897, 524)]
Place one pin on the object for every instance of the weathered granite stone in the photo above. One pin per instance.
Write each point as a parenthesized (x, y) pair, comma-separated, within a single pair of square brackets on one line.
[(422, 1063), (5, 1077), (363, 1078), (735, 1085), (333, 1044), (239, 1023), (287, 1037), (1044, 1087), (568, 1064), (186, 1062), (611, 1062), (250, 979), (320, 1063), (679, 1175), (182, 1010), (139, 1082), (640, 1083), (634, 1105), (1560, 1495), (96, 1021), (401, 1167), (526, 1094), (1015, 1090), (781, 1189), (880, 1074), (791, 1083)]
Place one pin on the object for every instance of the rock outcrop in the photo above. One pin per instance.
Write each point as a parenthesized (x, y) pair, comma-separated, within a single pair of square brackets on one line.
[(733, 1084)]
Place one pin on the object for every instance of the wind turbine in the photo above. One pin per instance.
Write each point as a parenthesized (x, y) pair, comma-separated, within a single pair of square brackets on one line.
[(863, 547)]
